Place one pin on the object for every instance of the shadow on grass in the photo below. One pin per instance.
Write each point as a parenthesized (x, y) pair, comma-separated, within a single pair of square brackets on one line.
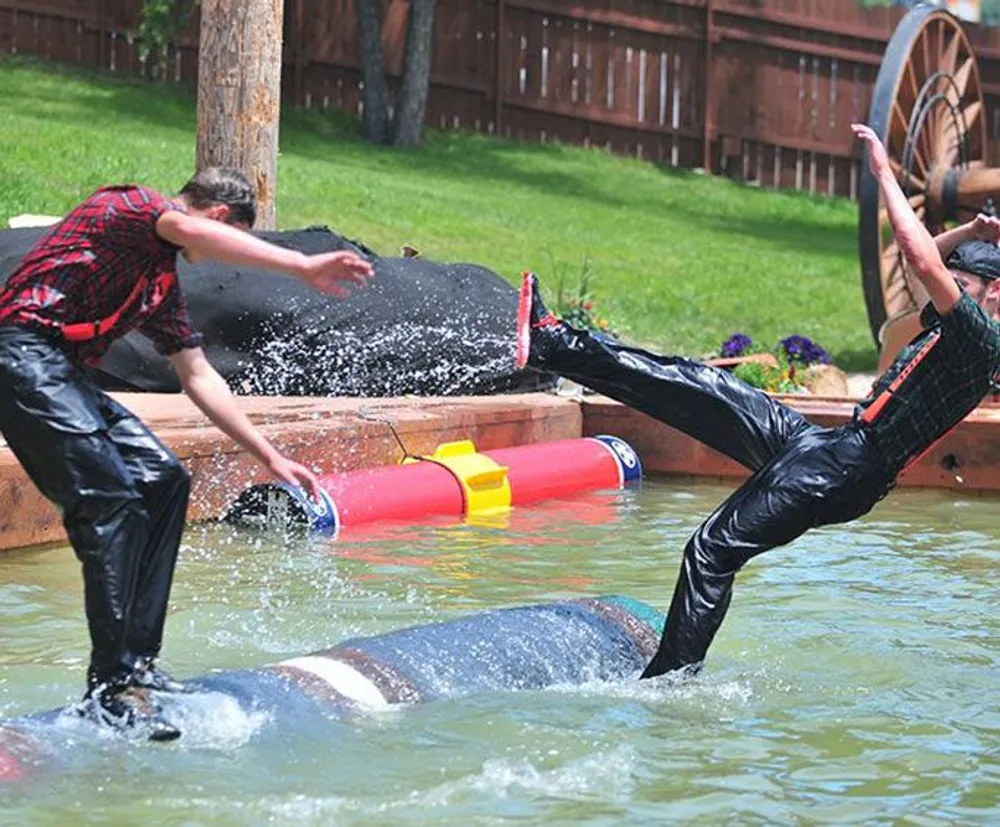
[(785, 230), (454, 156)]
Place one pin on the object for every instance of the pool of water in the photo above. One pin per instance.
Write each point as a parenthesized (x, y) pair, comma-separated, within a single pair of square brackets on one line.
[(854, 680)]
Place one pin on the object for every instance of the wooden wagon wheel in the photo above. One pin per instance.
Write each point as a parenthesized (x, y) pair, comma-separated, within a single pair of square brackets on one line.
[(927, 107)]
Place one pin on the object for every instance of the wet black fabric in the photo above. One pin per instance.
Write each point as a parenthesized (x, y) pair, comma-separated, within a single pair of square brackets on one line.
[(420, 327), (803, 475), (122, 494)]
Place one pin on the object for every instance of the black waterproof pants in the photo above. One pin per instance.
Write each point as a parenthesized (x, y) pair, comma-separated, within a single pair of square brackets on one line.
[(802, 475), (123, 495)]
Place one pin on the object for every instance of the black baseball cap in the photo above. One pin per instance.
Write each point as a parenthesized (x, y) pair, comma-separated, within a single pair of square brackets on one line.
[(980, 258)]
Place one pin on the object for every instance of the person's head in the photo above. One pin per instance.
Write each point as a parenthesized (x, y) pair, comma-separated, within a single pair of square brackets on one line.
[(223, 194), (975, 265)]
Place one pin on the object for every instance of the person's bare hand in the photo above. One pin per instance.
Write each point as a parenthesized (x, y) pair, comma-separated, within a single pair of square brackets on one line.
[(295, 474), (878, 158), (986, 228), (335, 273)]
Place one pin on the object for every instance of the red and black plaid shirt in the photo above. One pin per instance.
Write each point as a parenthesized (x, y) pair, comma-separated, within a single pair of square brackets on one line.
[(86, 266)]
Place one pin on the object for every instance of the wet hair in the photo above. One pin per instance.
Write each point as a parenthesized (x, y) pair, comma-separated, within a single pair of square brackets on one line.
[(223, 185)]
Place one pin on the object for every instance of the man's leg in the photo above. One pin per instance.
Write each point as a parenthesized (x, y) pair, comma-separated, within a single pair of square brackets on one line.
[(825, 476), (164, 485), (50, 417), (50, 422), (706, 403)]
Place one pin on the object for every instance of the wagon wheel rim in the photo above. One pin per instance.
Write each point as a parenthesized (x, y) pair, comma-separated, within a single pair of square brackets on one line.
[(927, 107)]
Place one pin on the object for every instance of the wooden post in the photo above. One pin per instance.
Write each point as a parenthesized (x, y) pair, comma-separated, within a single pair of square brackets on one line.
[(499, 69), (706, 160), (239, 93)]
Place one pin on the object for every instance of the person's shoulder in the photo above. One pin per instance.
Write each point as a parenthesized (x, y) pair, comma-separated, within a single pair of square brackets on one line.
[(137, 200), (136, 196), (965, 309), (969, 324)]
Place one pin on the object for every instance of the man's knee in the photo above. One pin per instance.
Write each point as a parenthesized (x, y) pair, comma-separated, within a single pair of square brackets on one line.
[(711, 552), (92, 518)]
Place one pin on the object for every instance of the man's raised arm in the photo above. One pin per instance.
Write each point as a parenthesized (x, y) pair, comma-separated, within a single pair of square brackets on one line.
[(915, 242)]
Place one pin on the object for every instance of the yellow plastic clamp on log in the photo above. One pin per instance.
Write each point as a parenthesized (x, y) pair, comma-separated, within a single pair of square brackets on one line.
[(484, 482)]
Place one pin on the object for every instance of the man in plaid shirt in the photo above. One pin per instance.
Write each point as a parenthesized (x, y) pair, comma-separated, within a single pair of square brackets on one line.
[(107, 268), (802, 475)]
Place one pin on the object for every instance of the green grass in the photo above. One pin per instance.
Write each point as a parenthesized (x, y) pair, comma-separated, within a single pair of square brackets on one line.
[(679, 260)]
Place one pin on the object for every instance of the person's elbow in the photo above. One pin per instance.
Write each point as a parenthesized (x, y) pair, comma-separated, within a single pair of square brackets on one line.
[(192, 368)]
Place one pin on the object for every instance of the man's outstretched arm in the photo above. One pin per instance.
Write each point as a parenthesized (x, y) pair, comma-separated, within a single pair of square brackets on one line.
[(205, 238), (915, 242)]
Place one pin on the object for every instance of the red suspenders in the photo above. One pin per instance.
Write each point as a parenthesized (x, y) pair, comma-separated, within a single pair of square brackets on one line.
[(85, 331), (872, 411)]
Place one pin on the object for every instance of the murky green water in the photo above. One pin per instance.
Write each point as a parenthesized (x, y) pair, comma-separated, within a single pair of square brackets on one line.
[(855, 679)]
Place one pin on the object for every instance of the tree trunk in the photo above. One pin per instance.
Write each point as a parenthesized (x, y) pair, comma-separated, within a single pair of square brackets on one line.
[(239, 93), (375, 94), (416, 74)]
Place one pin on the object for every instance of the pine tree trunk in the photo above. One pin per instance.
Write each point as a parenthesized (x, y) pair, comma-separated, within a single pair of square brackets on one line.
[(375, 94), (416, 74), (239, 93)]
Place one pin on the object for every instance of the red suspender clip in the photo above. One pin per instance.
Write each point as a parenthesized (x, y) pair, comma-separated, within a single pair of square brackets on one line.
[(872, 412)]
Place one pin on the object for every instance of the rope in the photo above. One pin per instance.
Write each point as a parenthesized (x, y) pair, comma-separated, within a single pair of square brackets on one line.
[(381, 420)]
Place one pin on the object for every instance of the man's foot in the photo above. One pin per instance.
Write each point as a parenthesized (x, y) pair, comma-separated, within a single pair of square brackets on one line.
[(151, 676), (127, 711), (674, 674), (532, 316)]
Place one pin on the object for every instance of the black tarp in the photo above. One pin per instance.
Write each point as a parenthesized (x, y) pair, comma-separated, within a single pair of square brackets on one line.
[(419, 328)]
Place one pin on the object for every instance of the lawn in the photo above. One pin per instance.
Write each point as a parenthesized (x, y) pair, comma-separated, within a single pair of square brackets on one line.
[(678, 260)]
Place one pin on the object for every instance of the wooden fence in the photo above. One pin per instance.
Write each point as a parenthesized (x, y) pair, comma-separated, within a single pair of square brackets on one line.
[(761, 90)]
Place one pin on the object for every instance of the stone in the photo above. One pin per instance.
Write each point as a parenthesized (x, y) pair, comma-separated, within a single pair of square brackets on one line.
[(825, 380)]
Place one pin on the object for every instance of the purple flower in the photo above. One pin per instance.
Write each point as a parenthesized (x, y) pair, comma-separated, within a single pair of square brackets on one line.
[(736, 345), (803, 350)]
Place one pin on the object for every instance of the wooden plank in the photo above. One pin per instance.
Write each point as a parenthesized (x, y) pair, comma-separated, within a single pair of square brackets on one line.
[(7, 41), (610, 119), (879, 29), (560, 44), (63, 9), (512, 53), (615, 18), (482, 51), (601, 72), (798, 46)]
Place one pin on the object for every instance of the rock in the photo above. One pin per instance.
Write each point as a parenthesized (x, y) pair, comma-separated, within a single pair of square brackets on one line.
[(825, 380), (730, 362)]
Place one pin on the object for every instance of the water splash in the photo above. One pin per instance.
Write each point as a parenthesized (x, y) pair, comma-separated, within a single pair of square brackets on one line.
[(403, 359), (212, 720)]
